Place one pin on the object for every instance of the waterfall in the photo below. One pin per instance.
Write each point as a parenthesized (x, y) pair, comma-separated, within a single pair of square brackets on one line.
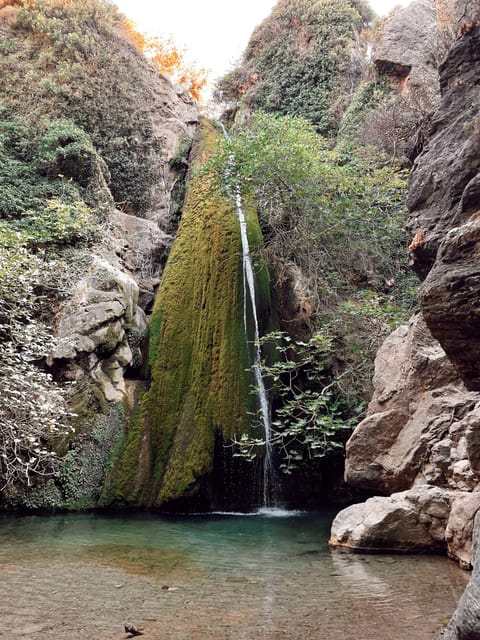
[(249, 291)]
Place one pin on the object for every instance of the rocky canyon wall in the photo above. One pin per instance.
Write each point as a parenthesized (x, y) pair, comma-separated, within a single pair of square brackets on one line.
[(141, 128), (419, 447)]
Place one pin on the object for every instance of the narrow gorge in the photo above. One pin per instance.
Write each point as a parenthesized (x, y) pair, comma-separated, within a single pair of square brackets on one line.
[(231, 350)]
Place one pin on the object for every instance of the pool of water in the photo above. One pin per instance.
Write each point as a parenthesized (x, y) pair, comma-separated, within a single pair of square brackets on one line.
[(265, 576)]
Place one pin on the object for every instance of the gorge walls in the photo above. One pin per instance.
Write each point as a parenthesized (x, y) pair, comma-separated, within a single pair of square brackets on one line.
[(418, 447)]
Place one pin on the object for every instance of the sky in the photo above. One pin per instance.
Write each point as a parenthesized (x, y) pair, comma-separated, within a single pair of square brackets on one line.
[(214, 32)]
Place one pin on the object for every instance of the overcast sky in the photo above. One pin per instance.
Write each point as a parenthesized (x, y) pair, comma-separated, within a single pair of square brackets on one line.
[(214, 32)]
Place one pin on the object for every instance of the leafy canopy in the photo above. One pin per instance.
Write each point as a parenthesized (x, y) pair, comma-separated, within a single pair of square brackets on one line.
[(339, 219)]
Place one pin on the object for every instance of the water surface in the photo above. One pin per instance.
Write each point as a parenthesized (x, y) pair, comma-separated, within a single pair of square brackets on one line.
[(268, 576)]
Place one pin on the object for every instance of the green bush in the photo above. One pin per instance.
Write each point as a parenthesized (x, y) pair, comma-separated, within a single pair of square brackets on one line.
[(300, 61), (337, 222), (311, 417), (340, 220), (66, 151), (59, 223)]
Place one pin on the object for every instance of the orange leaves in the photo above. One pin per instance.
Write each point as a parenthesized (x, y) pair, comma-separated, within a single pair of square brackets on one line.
[(133, 36), (168, 59)]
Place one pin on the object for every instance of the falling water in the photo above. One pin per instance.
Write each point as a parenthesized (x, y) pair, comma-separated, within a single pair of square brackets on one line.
[(249, 289)]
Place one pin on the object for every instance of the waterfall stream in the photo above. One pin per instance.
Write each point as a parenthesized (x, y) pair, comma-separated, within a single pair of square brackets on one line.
[(249, 292)]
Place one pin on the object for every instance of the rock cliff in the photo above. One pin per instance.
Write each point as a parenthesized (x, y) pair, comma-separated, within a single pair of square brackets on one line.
[(419, 444), (405, 48)]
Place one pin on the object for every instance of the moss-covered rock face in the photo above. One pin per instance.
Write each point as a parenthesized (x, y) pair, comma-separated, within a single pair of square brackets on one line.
[(198, 355)]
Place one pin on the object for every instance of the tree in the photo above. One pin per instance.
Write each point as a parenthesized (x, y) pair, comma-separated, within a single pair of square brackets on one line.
[(168, 59), (310, 416), (33, 409), (339, 218)]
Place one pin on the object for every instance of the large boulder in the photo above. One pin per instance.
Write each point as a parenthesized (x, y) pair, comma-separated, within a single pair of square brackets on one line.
[(412, 520), (418, 446), (405, 48), (417, 421)]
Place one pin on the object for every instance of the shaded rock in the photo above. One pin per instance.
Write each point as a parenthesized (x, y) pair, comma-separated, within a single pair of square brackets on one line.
[(444, 204), (142, 248), (406, 45), (465, 623), (413, 520), (443, 190), (446, 299)]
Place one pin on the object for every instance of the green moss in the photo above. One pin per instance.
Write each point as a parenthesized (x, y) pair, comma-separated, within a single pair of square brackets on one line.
[(120, 486), (199, 360)]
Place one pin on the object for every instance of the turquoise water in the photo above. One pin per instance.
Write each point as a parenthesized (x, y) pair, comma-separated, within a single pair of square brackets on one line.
[(220, 576)]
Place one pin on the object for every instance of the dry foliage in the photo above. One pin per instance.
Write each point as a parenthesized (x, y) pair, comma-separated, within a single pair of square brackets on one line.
[(168, 59)]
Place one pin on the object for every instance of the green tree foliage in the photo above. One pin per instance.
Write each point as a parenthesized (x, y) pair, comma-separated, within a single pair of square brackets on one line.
[(300, 61), (73, 60), (338, 220), (33, 410), (311, 416)]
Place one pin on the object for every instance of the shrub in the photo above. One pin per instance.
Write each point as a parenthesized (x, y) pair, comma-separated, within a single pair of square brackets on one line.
[(32, 406), (300, 61), (339, 219)]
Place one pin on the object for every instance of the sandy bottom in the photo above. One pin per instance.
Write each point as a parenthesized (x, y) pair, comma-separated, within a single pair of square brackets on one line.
[(83, 600), (90, 590)]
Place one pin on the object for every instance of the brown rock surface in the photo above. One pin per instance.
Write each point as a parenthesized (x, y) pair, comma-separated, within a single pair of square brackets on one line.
[(416, 421), (444, 203), (444, 191), (419, 444), (405, 47)]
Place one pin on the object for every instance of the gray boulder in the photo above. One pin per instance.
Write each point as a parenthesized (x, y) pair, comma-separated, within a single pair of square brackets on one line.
[(95, 324), (407, 44)]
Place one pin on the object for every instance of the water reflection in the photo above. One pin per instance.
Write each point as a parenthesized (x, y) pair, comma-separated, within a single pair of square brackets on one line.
[(358, 577), (213, 577)]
